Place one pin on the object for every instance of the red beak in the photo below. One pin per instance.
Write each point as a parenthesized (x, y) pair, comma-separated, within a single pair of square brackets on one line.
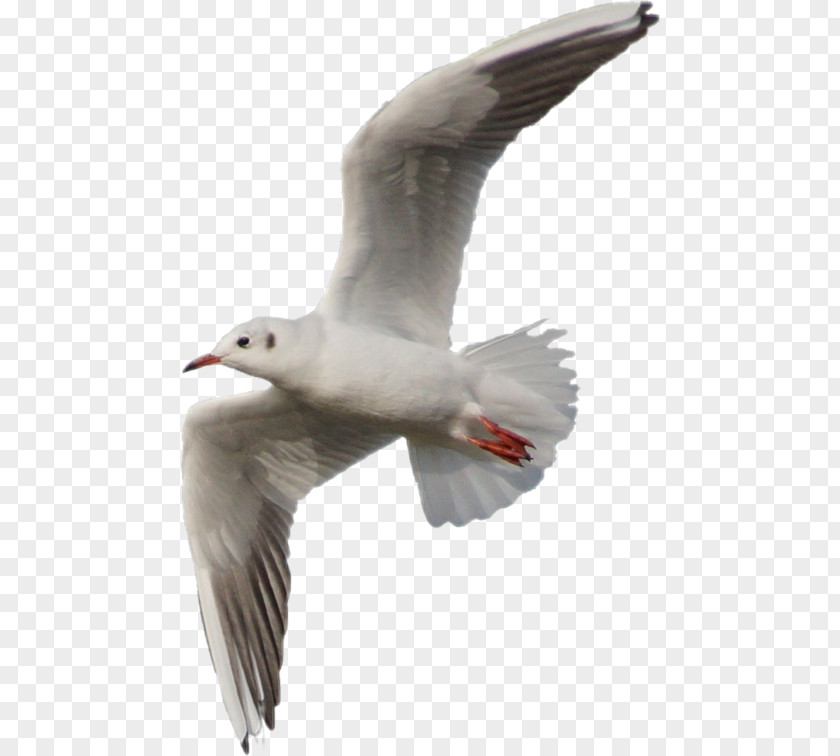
[(207, 359)]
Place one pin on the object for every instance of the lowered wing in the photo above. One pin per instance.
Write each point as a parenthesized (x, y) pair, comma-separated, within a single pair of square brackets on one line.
[(247, 459)]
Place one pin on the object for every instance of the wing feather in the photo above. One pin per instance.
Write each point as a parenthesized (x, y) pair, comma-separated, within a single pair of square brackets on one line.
[(247, 460), (413, 174)]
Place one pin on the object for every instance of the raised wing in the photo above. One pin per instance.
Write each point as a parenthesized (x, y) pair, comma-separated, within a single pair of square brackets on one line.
[(247, 460), (413, 174)]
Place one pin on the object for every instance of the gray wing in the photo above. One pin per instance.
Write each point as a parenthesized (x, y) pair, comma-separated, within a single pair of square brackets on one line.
[(247, 460), (413, 174)]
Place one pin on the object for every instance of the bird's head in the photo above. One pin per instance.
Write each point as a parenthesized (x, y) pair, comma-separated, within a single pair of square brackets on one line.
[(249, 348)]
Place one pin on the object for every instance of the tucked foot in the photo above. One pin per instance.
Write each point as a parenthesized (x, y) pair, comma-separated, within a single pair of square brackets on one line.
[(504, 434), (510, 447)]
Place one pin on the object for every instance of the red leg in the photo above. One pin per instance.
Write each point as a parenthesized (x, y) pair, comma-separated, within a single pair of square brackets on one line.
[(504, 434), (510, 446), (505, 452)]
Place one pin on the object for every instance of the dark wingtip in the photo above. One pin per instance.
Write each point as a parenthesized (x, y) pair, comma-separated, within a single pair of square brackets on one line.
[(648, 19), (246, 746)]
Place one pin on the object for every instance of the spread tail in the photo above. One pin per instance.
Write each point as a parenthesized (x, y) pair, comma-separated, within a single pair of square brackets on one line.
[(459, 482)]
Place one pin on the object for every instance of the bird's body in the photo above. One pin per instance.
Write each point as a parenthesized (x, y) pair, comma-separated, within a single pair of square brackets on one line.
[(372, 362), (384, 378)]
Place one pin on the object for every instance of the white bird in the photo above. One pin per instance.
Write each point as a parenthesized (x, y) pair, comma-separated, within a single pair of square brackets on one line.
[(372, 361)]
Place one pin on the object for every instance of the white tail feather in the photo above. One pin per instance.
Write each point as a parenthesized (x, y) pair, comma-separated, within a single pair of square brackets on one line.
[(460, 483)]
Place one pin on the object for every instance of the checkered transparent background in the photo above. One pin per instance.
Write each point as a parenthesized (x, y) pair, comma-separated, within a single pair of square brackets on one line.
[(171, 169)]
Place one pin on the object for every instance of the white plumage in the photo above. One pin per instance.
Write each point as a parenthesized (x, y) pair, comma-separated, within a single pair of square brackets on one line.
[(372, 362)]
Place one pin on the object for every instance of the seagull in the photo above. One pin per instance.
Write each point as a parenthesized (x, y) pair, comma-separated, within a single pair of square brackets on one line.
[(372, 362)]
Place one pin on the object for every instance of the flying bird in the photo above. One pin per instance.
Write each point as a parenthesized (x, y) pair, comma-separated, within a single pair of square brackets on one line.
[(373, 362)]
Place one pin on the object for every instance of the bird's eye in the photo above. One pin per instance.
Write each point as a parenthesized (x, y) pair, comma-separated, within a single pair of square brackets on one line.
[(243, 341)]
